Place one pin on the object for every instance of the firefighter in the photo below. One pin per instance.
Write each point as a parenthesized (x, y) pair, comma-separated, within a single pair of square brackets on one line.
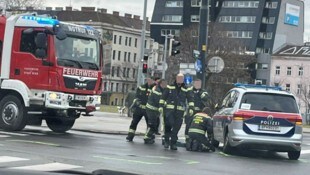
[(152, 111), (129, 102), (201, 124), (200, 99), (139, 106), (174, 102)]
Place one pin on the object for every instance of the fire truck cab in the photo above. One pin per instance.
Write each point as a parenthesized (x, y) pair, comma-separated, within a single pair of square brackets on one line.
[(50, 70)]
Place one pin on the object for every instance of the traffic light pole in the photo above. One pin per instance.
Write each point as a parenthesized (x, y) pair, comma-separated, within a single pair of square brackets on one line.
[(140, 79), (165, 58), (203, 39)]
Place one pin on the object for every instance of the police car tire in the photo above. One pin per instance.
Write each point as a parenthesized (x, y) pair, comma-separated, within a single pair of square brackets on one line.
[(293, 155), (19, 122), (58, 125), (226, 147)]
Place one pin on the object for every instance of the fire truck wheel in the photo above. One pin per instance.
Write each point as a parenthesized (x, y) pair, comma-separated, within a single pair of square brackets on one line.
[(59, 125), (13, 114)]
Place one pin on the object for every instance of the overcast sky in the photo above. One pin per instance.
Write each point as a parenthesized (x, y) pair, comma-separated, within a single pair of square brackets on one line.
[(136, 7)]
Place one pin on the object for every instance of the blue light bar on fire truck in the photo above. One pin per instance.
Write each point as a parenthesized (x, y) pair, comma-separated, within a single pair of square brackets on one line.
[(36, 21), (257, 86)]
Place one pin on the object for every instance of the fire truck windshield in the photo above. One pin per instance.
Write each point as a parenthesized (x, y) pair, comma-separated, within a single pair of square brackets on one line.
[(82, 53)]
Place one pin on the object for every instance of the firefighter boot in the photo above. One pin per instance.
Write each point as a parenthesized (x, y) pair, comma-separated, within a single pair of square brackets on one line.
[(188, 144), (149, 141), (130, 137), (173, 146), (166, 143)]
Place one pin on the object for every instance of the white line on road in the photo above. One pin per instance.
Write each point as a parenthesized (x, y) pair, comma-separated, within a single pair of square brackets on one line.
[(48, 167), (4, 159), (13, 134), (33, 133), (4, 136), (305, 152)]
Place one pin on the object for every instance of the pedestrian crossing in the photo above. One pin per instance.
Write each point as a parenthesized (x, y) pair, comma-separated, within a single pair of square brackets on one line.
[(27, 164)]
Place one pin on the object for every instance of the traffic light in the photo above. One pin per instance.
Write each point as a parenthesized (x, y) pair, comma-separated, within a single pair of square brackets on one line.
[(144, 68), (174, 47)]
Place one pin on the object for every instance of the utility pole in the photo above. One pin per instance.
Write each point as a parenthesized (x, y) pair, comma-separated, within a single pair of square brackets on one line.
[(165, 59), (203, 39), (140, 79)]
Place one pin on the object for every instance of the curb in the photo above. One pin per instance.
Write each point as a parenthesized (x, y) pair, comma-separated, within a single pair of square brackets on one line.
[(107, 132)]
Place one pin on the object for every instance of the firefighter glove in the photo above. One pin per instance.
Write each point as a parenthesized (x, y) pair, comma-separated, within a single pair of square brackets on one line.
[(190, 112), (161, 110)]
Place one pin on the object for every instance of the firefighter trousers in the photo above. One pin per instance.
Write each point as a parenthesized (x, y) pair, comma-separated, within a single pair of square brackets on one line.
[(137, 116), (201, 139), (173, 120), (153, 117)]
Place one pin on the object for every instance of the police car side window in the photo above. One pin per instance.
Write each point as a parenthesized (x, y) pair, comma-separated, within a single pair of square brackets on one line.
[(226, 100)]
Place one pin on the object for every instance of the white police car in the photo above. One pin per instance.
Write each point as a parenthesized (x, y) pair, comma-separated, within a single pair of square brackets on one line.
[(259, 117)]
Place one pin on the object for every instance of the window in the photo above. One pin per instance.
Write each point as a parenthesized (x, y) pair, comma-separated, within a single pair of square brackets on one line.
[(145, 44), (129, 56), (298, 89), (262, 66), (268, 20), (265, 35), (120, 40), (123, 87), (116, 89), (27, 43), (194, 18), (113, 69), (172, 18), (289, 71), (128, 70), (125, 56), (119, 55), (277, 70), (301, 71), (129, 41), (133, 73), (116, 99), (240, 4), (237, 19), (288, 87), (124, 72), (112, 87), (118, 71), (115, 38), (126, 41), (113, 56), (271, 5), (239, 34), (136, 42), (134, 57), (174, 4), (174, 32), (270, 102), (196, 3)]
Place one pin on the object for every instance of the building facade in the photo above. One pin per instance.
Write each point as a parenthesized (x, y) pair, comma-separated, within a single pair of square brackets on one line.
[(290, 69), (262, 26)]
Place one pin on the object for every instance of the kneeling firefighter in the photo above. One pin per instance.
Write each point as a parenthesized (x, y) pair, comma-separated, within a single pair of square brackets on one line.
[(201, 124)]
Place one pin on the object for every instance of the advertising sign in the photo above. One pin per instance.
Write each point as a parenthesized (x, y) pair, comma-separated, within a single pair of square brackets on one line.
[(292, 14)]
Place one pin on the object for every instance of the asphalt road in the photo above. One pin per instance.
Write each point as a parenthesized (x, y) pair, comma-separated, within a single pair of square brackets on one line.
[(42, 150)]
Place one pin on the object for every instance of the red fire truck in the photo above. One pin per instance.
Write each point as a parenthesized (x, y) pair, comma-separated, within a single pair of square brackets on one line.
[(50, 70)]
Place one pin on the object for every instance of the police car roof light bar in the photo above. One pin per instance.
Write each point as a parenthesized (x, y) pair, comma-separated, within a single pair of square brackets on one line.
[(257, 86)]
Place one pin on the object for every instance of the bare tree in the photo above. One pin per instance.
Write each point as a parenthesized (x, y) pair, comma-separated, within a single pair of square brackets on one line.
[(18, 4), (304, 95)]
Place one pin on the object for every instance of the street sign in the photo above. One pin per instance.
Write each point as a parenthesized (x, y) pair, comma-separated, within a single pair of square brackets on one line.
[(216, 64), (198, 66), (204, 47), (188, 79)]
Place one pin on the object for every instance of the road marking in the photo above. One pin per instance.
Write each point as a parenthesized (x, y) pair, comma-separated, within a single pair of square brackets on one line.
[(33, 133), (305, 152), (5, 159), (227, 155), (129, 160), (35, 142), (48, 167), (13, 133), (4, 136)]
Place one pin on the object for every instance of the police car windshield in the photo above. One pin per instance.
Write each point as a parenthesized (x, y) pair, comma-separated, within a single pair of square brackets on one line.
[(269, 102), (80, 52)]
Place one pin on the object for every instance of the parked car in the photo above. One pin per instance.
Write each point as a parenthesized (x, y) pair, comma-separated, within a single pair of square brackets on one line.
[(258, 117)]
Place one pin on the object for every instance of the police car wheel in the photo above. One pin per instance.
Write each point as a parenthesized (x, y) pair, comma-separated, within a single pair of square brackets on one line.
[(293, 155)]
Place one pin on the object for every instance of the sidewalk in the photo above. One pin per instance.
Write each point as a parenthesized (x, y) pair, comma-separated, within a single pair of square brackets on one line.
[(110, 123), (114, 123)]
